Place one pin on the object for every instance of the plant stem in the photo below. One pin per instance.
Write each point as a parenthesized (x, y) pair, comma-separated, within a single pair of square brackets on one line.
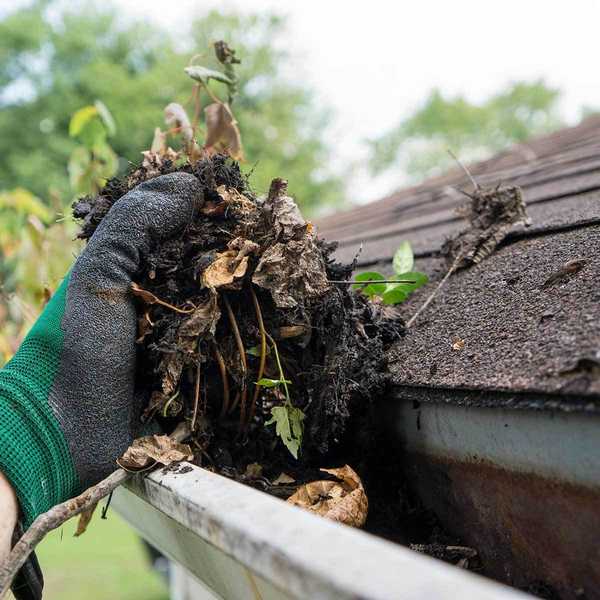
[(281, 374), (263, 351), (242, 352), (223, 371), (196, 397)]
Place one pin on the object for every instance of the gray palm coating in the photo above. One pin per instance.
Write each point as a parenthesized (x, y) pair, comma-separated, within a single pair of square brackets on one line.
[(93, 393)]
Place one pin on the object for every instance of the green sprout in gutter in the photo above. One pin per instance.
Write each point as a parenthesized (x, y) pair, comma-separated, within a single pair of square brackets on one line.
[(288, 420), (375, 285)]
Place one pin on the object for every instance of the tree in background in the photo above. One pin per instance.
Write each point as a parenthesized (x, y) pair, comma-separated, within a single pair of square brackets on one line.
[(54, 60), (420, 144)]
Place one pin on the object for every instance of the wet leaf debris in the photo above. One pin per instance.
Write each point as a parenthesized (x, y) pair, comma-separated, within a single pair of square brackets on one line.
[(240, 331)]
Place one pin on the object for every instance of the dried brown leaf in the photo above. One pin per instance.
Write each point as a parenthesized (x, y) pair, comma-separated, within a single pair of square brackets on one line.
[(458, 344), (344, 501), (230, 265), (292, 268), (283, 479), (175, 116), (491, 213), (84, 520), (146, 451), (253, 471), (222, 133), (203, 321)]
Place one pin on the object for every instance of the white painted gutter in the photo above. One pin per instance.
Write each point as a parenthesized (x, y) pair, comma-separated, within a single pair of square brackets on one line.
[(244, 544)]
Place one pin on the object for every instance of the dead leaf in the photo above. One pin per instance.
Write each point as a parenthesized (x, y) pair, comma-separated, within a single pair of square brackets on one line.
[(293, 272), (284, 214), (292, 267), (175, 116), (292, 331), (569, 268), (202, 322), (253, 471), (344, 501), (283, 479), (458, 344), (146, 451), (84, 520), (491, 213), (145, 326), (222, 133), (230, 265)]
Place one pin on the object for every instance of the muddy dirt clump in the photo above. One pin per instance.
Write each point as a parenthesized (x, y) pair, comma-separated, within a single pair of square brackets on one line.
[(241, 332)]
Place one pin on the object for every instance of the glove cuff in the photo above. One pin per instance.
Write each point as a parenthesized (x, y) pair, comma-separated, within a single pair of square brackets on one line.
[(34, 454)]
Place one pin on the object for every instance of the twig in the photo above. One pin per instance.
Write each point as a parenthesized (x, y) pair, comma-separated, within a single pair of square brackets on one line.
[(223, 371), (242, 352), (196, 397), (435, 292), (53, 519), (263, 352), (464, 168), (59, 515)]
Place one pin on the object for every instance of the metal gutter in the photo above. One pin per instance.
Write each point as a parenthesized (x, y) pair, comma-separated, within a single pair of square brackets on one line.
[(522, 486), (241, 543)]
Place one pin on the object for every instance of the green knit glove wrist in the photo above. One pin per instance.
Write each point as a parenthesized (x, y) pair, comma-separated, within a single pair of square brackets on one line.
[(34, 454), (69, 405)]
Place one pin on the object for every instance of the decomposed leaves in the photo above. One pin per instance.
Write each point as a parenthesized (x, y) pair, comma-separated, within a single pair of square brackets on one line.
[(222, 133), (146, 451), (344, 500)]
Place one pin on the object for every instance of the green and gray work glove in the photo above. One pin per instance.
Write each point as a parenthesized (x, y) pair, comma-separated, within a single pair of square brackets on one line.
[(67, 407)]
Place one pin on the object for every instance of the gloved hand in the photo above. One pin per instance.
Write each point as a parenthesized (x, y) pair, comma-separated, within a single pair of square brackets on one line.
[(67, 407)]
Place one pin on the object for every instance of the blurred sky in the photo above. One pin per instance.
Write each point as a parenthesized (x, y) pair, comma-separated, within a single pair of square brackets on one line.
[(374, 61)]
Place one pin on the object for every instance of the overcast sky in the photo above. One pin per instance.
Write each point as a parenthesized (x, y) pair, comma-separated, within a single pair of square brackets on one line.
[(374, 61), (347, 49)]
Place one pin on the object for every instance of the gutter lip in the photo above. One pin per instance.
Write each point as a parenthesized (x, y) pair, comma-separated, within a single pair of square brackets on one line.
[(301, 553)]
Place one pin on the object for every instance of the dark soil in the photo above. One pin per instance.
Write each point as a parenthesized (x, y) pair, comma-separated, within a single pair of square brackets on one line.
[(336, 361)]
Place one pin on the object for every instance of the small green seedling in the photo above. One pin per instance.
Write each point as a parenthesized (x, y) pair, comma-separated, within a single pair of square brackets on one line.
[(288, 420), (388, 290)]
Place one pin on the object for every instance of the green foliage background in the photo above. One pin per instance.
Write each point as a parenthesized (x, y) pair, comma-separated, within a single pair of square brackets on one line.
[(55, 60), (419, 144)]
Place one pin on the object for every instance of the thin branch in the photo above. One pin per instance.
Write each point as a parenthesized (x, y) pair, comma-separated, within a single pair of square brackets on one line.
[(59, 515), (196, 397), (464, 168), (242, 352), (224, 380), (435, 292), (52, 519), (263, 352)]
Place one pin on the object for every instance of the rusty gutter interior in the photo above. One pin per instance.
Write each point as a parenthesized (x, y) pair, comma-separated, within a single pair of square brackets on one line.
[(499, 440)]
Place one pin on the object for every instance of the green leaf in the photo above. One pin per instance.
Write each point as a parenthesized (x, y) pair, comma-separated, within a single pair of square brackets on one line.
[(81, 118), (270, 383), (403, 259), (419, 279), (107, 118), (289, 426), (254, 351), (374, 289), (394, 296), (203, 74)]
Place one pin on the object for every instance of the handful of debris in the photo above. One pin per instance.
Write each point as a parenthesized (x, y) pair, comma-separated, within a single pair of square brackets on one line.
[(241, 332)]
